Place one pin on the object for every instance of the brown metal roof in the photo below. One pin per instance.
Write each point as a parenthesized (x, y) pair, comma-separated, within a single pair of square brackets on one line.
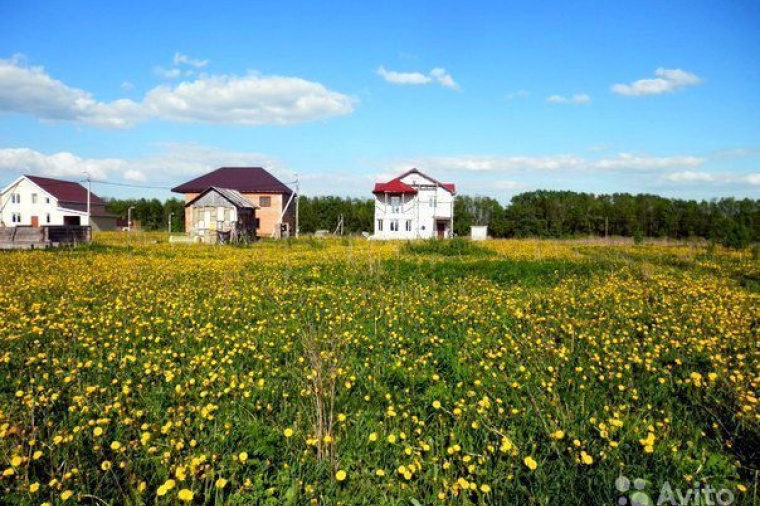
[(242, 179), (71, 195)]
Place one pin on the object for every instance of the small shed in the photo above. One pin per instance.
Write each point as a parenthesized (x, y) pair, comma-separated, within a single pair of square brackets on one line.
[(221, 215)]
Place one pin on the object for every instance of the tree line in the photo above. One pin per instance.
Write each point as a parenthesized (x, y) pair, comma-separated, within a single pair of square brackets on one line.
[(542, 213)]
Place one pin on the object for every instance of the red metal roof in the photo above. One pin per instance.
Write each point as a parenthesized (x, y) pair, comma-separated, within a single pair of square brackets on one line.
[(71, 195), (393, 186), (242, 179), (397, 186)]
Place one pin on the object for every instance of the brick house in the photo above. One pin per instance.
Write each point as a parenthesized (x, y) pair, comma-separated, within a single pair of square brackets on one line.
[(270, 196)]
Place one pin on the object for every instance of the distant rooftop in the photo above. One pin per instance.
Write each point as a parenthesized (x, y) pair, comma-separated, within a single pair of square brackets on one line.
[(242, 179)]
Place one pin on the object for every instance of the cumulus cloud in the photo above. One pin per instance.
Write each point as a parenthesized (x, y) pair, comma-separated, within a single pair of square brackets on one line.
[(247, 100), (437, 75), (690, 176), (172, 161), (563, 162), (181, 59), (626, 161), (29, 90), (576, 99), (222, 99), (62, 165), (667, 81)]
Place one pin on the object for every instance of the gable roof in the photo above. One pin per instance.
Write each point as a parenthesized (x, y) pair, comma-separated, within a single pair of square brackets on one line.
[(393, 186), (233, 196), (65, 191), (242, 179), (397, 186), (71, 195)]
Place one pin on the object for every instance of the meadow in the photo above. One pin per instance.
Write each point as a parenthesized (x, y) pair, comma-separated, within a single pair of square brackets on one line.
[(344, 371)]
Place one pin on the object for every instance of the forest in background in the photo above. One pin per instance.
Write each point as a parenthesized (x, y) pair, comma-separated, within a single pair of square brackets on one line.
[(543, 213)]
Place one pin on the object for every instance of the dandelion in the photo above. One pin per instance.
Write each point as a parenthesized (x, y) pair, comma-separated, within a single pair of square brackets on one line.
[(243, 456), (288, 432), (586, 458), (373, 437), (185, 495), (220, 483), (66, 494), (340, 475), (530, 463)]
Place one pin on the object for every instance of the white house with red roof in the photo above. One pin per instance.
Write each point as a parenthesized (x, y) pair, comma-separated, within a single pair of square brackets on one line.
[(38, 201), (414, 206)]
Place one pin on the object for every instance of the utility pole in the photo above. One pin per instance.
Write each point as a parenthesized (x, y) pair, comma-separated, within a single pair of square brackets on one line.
[(89, 192), (170, 222), (129, 218), (298, 198)]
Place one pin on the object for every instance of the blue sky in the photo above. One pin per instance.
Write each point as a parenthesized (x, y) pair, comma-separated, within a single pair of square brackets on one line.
[(498, 97)]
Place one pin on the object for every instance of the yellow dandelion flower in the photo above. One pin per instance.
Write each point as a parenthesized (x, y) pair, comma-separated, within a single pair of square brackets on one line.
[(530, 463), (340, 475), (288, 432), (185, 495)]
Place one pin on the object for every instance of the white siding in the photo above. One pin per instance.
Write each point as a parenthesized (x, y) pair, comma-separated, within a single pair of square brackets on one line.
[(45, 205), (431, 204)]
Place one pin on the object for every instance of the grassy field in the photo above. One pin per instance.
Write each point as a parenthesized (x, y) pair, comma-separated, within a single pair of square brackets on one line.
[(353, 372)]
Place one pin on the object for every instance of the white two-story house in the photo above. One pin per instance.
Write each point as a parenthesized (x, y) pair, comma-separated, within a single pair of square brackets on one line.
[(38, 201), (414, 206)]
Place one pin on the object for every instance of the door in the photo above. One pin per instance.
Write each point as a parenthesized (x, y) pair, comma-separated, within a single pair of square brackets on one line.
[(440, 229), (35, 221)]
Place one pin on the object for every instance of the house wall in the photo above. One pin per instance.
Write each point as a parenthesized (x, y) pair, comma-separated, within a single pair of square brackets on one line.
[(424, 209), (267, 216), (46, 206)]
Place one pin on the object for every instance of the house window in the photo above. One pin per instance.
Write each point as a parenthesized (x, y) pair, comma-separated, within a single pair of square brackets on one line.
[(219, 214), (395, 204), (258, 223), (34, 198), (16, 217), (47, 200), (408, 225), (47, 218), (432, 201), (15, 198), (394, 225), (265, 201), (379, 225)]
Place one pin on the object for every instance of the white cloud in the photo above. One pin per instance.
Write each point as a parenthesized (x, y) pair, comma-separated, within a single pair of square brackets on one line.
[(576, 99), (168, 74), (63, 165), (220, 99), (127, 86), (563, 162), (753, 179), (135, 175), (518, 94), (247, 100), (667, 81), (626, 161), (437, 75), (690, 176), (29, 90), (180, 59)]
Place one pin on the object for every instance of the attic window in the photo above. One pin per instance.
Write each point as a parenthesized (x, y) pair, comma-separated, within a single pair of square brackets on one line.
[(265, 201)]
